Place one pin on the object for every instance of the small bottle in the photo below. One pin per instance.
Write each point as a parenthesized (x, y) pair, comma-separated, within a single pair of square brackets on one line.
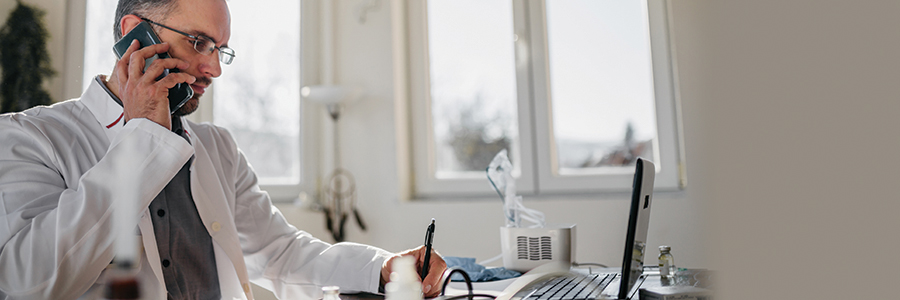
[(404, 284), (331, 293), (666, 262)]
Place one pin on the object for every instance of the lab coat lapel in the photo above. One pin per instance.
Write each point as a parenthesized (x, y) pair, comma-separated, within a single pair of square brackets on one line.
[(216, 209)]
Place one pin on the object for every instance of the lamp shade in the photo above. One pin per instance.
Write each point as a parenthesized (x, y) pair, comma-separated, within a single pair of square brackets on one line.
[(331, 94)]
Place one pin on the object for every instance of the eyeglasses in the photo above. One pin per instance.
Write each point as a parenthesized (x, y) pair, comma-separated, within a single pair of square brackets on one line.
[(204, 45)]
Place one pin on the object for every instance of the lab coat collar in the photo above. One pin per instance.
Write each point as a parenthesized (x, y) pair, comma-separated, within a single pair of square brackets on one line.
[(99, 100), (105, 107)]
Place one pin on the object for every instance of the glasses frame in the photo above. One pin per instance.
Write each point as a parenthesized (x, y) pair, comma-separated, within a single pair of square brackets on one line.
[(226, 54)]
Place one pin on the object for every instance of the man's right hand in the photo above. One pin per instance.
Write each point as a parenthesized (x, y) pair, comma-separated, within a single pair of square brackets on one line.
[(142, 96)]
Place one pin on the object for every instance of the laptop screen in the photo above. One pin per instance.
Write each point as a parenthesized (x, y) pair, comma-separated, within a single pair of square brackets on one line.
[(638, 225)]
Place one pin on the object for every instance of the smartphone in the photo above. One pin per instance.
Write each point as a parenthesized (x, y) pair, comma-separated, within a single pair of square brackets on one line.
[(181, 92)]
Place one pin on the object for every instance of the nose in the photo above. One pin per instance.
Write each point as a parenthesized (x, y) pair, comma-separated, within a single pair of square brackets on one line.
[(210, 66)]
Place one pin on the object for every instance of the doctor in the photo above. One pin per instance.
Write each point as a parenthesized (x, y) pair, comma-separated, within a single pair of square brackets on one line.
[(206, 228)]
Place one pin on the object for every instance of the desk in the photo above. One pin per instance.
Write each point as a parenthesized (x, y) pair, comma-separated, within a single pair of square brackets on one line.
[(691, 277)]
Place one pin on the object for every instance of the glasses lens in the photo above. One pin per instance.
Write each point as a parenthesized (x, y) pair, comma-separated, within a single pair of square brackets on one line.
[(226, 55), (204, 46)]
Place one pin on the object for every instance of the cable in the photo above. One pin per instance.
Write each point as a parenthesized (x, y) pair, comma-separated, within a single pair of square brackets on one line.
[(470, 296), (578, 264)]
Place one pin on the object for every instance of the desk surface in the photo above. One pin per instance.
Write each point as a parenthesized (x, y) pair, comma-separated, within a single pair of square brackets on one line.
[(692, 277)]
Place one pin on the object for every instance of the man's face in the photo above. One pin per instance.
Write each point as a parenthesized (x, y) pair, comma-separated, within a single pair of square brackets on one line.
[(209, 18)]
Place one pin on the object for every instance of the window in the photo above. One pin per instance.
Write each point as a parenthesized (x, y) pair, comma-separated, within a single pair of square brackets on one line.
[(257, 97), (575, 90), (99, 57)]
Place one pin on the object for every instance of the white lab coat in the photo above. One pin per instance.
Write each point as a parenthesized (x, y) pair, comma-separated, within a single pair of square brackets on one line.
[(56, 182)]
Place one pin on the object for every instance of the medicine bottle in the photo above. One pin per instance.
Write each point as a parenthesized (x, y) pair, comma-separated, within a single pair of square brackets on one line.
[(404, 284), (666, 262), (331, 293)]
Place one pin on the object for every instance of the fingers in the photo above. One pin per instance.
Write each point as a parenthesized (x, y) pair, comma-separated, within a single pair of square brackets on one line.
[(431, 286), (137, 58), (136, 67), (158, 65), (175, 78), (122, 63)]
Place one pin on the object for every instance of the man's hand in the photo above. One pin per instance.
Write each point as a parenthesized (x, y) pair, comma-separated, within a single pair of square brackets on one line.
[(142, 96), (431, 285)]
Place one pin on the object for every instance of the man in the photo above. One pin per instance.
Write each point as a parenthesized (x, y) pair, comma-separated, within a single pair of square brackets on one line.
[(205, 227)]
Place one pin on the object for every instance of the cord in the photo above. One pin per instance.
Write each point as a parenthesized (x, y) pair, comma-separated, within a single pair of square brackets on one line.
[(468, 281), (578, 264)]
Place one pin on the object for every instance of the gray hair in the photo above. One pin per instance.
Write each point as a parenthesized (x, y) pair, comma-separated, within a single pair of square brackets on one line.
[(145, 8)]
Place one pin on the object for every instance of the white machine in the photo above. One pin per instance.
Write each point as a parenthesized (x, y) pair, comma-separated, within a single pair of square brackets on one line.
[(526, 248)]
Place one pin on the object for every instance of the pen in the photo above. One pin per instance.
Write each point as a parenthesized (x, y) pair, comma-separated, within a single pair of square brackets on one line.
[(429, 238)]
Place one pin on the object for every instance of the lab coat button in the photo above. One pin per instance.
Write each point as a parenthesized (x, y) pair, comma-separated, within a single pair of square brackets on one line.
[(216, 226), (246, 287)]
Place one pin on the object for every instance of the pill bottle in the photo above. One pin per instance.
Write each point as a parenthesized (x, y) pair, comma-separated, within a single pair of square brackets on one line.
[(404, 284), (666, 262), (331, 293)]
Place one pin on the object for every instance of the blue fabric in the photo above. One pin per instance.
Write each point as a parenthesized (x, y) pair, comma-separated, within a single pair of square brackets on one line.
[(477, 272)]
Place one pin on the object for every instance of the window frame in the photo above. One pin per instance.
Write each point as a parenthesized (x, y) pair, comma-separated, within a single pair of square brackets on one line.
[(426, 185), (538, 146)]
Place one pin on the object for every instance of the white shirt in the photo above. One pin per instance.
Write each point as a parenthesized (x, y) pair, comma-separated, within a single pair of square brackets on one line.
[(56, 179)]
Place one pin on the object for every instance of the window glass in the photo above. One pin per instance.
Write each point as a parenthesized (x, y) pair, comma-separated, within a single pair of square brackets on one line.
[(258, 96), (601, 83), (473, 84), (99, 57)]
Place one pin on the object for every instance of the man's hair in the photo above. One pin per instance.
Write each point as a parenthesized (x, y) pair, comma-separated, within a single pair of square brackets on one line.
[(145, 8)]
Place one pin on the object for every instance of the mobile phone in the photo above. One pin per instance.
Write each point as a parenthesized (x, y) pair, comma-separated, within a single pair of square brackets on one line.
[(181, 92)]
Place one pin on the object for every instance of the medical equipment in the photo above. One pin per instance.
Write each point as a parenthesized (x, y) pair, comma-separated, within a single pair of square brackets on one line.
[(524, 248)]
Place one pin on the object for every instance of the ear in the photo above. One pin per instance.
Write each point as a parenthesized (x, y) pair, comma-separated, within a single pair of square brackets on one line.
[(128, 23)]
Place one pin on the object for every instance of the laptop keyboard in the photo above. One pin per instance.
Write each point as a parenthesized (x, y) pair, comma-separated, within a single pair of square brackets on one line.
[(571, 286)]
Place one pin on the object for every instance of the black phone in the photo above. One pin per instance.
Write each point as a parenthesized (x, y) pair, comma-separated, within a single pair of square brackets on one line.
[(181, 92)]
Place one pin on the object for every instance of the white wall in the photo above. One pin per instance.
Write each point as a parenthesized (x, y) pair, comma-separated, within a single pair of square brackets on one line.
[(790, 119), (797, 126)]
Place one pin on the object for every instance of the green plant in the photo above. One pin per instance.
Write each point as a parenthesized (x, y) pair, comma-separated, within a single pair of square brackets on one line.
[(24, 60)]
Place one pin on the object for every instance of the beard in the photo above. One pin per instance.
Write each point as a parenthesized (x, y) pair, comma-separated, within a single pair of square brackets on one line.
[(189, 107), (192, 104)]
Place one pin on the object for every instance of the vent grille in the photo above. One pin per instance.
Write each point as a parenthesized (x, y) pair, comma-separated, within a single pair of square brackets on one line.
[(533, 248)]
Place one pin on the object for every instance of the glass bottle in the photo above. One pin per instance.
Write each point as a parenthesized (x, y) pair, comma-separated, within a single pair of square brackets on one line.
[(331, 293), (666, 262), (404, 284)]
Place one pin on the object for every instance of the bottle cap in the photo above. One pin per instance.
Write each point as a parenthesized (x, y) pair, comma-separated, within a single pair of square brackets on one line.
[(331, 290), (665, 248)]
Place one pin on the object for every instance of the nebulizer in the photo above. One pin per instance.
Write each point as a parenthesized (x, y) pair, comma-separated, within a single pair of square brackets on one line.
[(499, 174), (526, 247)]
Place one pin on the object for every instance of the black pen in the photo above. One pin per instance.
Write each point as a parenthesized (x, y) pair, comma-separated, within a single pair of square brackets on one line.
[(429, 238)]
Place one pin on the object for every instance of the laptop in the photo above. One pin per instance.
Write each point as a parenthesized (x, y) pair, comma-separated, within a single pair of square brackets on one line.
[(559, 281)]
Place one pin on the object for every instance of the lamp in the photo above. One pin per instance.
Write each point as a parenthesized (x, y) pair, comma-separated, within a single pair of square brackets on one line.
[(339, 188)]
